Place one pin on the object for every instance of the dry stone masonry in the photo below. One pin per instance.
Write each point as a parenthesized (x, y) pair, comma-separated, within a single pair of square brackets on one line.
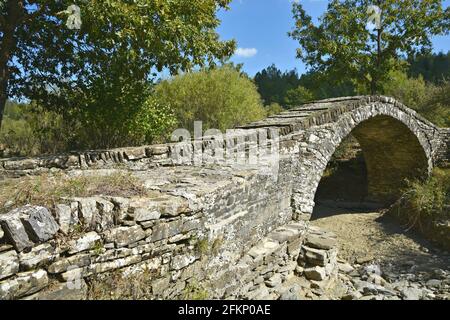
[(238, 228)]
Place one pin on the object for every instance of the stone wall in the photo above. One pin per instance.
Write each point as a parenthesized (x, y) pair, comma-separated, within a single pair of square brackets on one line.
[(235, 226), (181, 233)]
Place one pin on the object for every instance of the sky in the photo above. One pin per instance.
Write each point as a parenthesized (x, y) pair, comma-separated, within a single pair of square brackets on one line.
[(260, 28)]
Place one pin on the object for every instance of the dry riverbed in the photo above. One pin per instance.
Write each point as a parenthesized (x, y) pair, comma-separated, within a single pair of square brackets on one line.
[(380, 259)]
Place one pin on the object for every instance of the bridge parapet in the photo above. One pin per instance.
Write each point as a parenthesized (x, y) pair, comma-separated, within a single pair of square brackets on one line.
[(286, 126)]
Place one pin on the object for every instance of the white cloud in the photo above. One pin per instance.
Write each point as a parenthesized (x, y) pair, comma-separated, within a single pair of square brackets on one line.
[(246, 52)]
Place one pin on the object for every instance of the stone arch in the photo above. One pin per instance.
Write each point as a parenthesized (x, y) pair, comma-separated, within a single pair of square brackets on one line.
[(394, 144)]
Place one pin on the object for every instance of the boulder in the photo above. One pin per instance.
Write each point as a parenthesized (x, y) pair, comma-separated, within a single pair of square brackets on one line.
[(39, 223), (411, 293), (14, 229)]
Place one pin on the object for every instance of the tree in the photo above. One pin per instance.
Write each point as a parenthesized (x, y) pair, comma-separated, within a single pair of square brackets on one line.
[(297, 96), (43, 60), (273, 84), (221, 98), (434, 68), (343, 46)]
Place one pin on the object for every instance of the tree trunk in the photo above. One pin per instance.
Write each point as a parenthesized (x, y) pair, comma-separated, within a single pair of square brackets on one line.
[(14, 14)]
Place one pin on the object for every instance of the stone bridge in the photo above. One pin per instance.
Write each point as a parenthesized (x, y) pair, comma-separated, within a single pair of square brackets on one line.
[(228, 211)]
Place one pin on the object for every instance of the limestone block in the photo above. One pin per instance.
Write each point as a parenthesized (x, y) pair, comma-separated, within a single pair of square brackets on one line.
[(39, 223), (315, 257), (145, 214), (123, 236), (181, 261), (77, 261), (87, 210), (63, 291), (14, 229), (23, 284), (84, 243), (320, 241), (113, 265), (38, 256), (67, 216), (315, 273), (9, 264)]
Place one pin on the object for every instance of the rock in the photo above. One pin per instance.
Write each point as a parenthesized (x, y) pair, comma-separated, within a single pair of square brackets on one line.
[(113, 265), (87, 210), (260, 293), (145, 214), (345, 267), (434, 283), (14, 229), (6, 247), (274, 281), (84, 243), (123, 236), (264, 249), (2, 233), (174, 207), (121, 205), (367, 288), (320, 241), (354, 295), (135, 153), (181, 261), (23, 284), (67, 216), (376, 279), (159, 286), (105, 218), (363, 260), (411, 293), (63, 291), (9, 264), (39, 223), (440, 274), (315, 273), (372, 269), (291, 294), (77, 261), (38, 256), (315, 256)]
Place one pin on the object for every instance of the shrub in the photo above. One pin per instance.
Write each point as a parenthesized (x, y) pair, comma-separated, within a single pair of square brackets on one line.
[(221, 98), (273, 108), (296, 97), (429, 199), (429, 100), (29, 130)]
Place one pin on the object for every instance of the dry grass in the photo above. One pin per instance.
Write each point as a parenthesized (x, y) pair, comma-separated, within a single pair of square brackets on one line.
[(47, 189), (115, 286)]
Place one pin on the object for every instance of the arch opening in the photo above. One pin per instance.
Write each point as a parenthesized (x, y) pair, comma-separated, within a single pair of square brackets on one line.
[(372, 164)]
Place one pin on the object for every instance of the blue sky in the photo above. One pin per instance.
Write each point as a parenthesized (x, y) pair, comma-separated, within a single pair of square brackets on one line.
[(260, 28)]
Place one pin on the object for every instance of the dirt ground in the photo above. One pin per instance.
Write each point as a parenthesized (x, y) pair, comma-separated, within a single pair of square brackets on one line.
[(371, 236)]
